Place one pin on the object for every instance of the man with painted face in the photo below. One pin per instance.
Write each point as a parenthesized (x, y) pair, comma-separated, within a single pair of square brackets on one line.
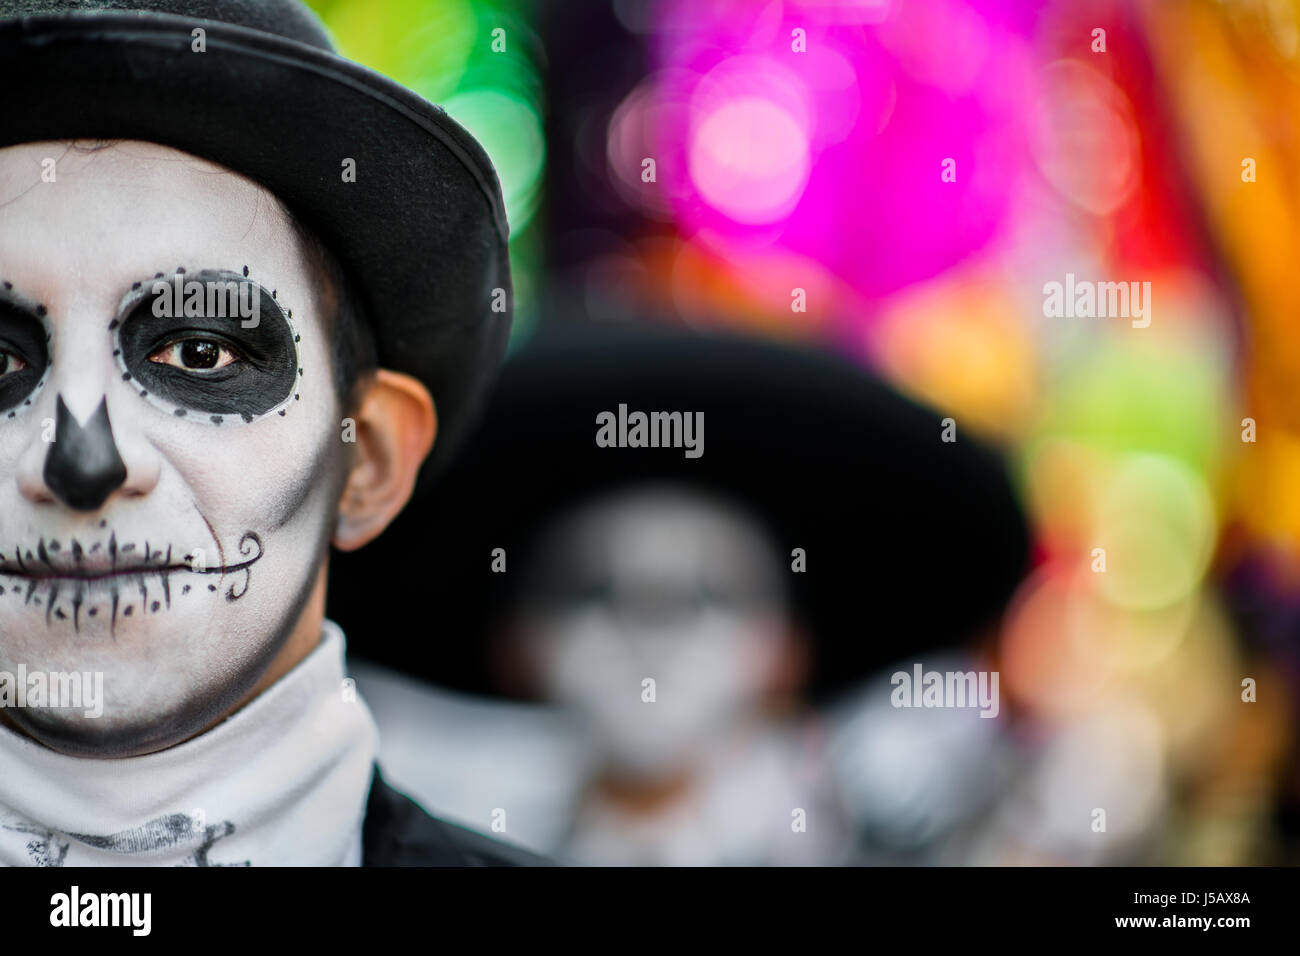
[(245, 284)]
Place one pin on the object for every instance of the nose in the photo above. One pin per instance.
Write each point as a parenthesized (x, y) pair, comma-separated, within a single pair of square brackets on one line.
[(83, 466)]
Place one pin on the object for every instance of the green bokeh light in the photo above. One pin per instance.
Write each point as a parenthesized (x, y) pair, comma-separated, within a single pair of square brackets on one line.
[(511, 133), (444, 50), (1121, 398)]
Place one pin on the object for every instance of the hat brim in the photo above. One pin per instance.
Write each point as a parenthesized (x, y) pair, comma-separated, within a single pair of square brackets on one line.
[(911, 542), (421, 230)]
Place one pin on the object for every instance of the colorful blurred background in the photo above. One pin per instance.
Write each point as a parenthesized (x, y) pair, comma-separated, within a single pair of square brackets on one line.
[(897, 181)]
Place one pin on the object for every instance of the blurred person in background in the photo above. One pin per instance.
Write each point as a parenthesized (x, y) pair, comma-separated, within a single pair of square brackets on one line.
[(681, 618)]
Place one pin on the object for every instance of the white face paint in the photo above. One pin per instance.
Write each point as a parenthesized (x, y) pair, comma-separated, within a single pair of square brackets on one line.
[(662, 584), (235, 509)]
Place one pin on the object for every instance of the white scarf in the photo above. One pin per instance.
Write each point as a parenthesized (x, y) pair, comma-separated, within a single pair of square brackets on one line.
[(282, 782)]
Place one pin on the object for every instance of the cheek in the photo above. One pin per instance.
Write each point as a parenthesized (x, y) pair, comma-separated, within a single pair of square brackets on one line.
[(274, 475), (580, 663), (283, 488), (12, 442)]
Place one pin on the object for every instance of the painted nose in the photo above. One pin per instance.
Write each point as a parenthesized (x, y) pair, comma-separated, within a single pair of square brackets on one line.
[(83, 466)]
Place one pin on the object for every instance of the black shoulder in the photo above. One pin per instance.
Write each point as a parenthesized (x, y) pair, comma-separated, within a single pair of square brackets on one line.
[(399, 832)]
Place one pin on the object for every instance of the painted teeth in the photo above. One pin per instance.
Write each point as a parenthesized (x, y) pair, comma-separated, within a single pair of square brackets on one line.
[(83, 589)]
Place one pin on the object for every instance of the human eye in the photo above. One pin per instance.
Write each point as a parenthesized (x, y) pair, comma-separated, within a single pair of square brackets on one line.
[(196, 354), (24, 357), (11, 362), (210, 342)]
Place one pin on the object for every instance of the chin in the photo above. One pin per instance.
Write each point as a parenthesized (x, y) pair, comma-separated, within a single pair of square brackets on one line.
[(149, 701), (123, 735), (155, 680), (191, 648)]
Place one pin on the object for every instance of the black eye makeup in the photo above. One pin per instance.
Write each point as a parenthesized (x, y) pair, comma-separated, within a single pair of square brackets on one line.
[(211, 343), (24, 357)]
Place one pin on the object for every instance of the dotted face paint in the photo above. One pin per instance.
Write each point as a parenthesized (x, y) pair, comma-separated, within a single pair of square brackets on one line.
[(24, 357), (77, 582), (213, 345)]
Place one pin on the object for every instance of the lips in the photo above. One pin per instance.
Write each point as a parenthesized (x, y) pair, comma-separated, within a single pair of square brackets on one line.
[(101, 561), (106, 574), (89, 574)]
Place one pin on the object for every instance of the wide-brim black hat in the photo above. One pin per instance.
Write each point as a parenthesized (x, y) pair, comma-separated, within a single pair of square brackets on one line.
[(421, 231), (911, 542)]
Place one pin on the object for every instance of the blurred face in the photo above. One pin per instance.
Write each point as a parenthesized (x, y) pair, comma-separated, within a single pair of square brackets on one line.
[(662, 585), (167, 481)]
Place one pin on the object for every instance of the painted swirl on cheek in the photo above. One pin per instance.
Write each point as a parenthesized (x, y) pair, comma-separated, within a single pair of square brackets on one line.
[(23, 358), (263, 366)]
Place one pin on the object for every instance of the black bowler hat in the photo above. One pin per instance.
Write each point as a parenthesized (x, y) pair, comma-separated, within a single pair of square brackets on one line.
[(911, 542), (421, 231)]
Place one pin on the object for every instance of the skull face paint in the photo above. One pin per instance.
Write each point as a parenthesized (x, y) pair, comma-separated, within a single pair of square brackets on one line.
[(661, 583), (181, 573), (207, 358), (83, 466)]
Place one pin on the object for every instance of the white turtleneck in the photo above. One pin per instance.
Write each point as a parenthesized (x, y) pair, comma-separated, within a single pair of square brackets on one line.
[(282, 782)]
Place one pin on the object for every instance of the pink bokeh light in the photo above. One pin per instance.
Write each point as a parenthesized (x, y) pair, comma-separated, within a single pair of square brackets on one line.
[(835, 154)]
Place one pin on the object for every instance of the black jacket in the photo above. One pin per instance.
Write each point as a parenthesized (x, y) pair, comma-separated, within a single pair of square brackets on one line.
[(398, 832)]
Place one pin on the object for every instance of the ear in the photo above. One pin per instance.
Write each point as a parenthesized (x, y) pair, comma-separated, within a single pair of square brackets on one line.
[(396, 425)]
